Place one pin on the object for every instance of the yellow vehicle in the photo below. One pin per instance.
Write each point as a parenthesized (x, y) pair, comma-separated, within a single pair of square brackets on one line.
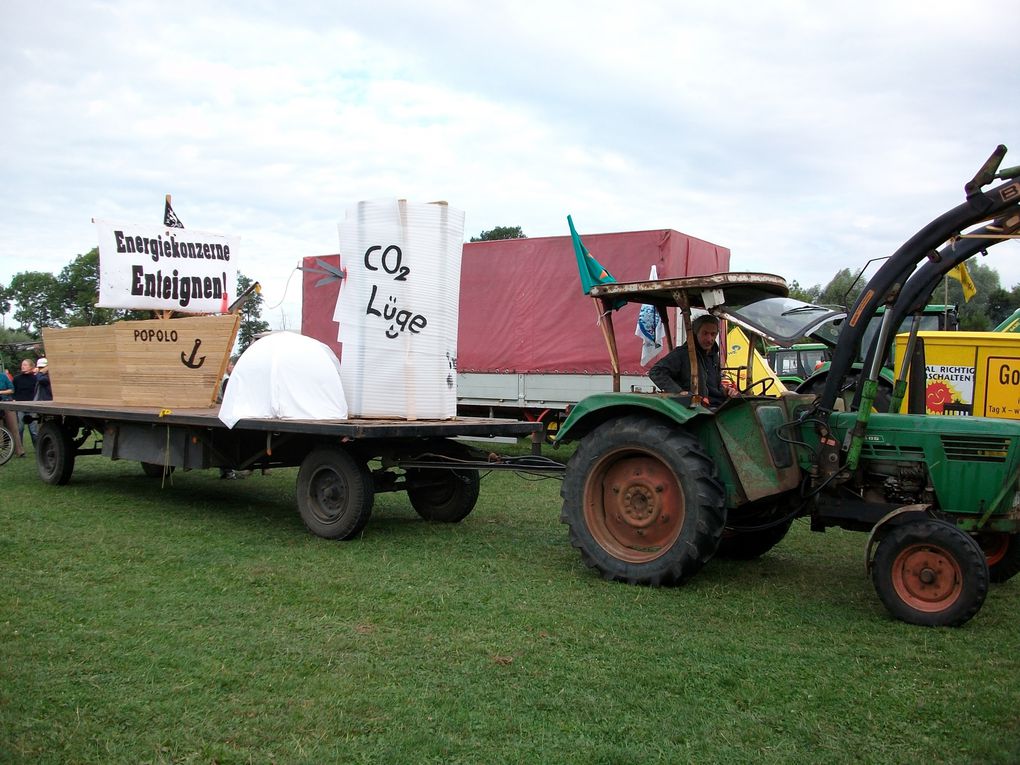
[(966, 373)]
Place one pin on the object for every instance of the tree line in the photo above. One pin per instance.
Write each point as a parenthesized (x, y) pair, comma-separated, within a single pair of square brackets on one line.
[(37, 299), (984, 311)]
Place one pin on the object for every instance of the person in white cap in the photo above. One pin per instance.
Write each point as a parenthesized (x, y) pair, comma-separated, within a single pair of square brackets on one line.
[(43, 389)]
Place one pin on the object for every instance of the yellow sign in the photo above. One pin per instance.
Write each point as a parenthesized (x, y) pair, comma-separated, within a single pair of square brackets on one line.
[(1002, 394)]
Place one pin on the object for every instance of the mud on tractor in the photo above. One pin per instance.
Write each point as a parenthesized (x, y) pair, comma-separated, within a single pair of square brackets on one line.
[(661, 483)]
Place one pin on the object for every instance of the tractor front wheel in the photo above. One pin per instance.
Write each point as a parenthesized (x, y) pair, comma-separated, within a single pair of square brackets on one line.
[(930, 573), (642, 502)]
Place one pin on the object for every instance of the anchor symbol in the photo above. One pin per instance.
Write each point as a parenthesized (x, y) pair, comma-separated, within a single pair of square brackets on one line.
[(194, 352)]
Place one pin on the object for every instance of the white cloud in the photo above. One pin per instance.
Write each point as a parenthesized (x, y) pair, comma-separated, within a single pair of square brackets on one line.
[(807, 138)]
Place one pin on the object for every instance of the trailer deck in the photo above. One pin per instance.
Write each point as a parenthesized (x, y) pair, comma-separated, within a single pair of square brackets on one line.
[(343, 463)]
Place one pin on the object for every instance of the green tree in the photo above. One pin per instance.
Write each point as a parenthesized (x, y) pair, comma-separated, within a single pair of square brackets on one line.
[(500, 232), (974, 315), (251, 315), (843, 289), (39, 300), (808, 295), (80, 280)]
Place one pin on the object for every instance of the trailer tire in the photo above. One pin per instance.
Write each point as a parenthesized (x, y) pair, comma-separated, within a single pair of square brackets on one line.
[(930, 573), (153, 470), (334, 493), (642, 503), (443, 496), (54, 454), (1002, 551)]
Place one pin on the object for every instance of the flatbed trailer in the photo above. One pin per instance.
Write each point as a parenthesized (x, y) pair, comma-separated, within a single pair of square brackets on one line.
[(342, 463)]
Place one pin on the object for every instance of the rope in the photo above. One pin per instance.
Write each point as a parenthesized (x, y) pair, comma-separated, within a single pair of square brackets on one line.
[(285, 288)]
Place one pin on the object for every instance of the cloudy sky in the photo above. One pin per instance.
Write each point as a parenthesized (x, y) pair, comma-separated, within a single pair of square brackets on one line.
[(805, 136)]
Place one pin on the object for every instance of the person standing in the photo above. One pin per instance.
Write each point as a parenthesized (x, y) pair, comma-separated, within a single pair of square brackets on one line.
[(10, 421), (43, 389), (24, 390)]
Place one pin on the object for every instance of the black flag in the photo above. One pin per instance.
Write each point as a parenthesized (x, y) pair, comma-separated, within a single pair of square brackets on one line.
[(170, 217)]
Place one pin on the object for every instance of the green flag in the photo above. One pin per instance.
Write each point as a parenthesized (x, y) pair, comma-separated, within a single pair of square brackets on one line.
[(592, 272)]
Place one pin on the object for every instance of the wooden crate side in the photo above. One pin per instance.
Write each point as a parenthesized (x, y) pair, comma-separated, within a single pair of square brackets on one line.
[(174, 363), (83, 365)]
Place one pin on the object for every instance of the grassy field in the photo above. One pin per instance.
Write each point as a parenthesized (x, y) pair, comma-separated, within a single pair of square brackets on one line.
[(202, 623)]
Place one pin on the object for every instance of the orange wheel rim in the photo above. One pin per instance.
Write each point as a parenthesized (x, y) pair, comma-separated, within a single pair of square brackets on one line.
[(633, 506), (927, 578), (994, 547)]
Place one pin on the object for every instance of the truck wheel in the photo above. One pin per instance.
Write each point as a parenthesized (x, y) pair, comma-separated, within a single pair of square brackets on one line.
[(54, 454), (930, 573), (443, 496), (153, 470), (334, 493), (1002, 552), (642, 503)]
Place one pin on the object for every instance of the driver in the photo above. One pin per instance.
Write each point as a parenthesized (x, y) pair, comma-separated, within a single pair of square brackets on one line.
[(673, 373)]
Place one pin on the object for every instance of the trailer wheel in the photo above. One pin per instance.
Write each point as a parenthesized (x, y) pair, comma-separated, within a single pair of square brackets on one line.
[(930, 573), (153, 470), (642, 503), (334, 493), (54, 454), (1002, 552), (443, 496)]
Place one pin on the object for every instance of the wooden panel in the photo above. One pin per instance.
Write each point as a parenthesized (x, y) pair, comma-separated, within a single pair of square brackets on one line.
[(166, 363), (83, 364)]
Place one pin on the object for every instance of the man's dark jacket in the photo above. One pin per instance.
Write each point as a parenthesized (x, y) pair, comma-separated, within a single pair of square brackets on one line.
[(673, 373)]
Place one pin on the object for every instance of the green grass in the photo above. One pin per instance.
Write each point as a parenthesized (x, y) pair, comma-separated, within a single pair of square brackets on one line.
[(202, 623)]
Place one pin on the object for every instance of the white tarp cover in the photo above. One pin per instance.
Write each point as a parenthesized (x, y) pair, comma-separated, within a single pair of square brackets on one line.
[(285, 375)]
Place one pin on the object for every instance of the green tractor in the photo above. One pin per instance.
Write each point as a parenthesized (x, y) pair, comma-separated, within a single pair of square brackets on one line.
[(660, 483)]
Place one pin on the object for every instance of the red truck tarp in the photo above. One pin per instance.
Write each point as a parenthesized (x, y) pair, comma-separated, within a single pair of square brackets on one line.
[(521, 305)]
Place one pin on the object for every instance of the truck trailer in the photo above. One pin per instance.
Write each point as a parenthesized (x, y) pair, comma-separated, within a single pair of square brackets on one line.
[(529, 346)]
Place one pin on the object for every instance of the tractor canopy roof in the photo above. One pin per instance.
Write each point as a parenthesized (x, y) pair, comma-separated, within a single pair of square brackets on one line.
[(754, 301)]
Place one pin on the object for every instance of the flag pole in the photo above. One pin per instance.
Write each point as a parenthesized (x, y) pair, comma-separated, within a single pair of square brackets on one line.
[(604, 314)]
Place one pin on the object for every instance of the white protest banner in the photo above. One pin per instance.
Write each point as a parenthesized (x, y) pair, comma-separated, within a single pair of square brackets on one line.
[(159, 268)]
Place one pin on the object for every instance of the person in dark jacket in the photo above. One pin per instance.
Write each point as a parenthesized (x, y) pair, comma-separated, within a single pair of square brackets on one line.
[(673, 372), (24, 390), (43, 389)]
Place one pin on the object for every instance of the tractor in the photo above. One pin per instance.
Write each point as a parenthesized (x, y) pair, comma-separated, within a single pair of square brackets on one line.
[(660, 483)]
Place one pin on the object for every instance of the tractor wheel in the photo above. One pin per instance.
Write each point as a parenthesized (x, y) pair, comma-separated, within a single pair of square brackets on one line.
[(334, 493), (153, 470), (54, 454), (738, 544), (642, 503), (930, 573), (443, 496), (1002, 551)]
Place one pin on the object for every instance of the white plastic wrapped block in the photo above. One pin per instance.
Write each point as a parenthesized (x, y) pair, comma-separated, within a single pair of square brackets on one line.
[(285, 375), (398, 309)]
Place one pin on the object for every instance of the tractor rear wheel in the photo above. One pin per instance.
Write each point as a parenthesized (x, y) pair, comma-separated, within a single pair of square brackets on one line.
[(1002, 551), (748, 545), (930, 573), (642, 502)]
